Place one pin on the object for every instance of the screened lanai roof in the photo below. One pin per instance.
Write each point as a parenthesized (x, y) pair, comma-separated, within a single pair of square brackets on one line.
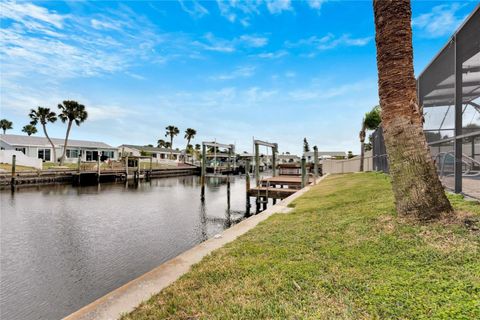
[(437, 81)]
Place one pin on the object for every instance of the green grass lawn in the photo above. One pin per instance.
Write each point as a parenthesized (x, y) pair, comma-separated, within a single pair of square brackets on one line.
[(8, 168), (342, 254)]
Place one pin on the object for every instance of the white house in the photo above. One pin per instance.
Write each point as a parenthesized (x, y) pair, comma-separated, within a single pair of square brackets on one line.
[(40, 147), (324, 155), (156, 153)]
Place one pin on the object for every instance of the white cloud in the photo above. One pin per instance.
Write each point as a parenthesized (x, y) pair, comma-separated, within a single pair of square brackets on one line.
[(193, 8), (316, 4), (278, 6), (272, 55), (441, 20), (327, 42), (240, 72), (254, 41), (213, 43)]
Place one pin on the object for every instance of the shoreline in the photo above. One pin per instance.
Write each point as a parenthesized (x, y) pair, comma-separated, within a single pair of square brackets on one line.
[(125, 298)]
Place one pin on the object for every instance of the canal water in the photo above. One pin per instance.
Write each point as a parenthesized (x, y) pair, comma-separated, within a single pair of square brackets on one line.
[(63, 247)]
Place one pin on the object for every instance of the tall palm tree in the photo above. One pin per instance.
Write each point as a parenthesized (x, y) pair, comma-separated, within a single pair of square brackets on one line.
[(416, 187), (6, 125), (172, 131), (189, 135), (29, 129), (71, 111), (161, 143), (371, 121), (44, 115)]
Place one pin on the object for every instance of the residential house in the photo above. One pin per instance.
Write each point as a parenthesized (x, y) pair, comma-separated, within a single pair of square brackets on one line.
[(157, 154), (40, 147)]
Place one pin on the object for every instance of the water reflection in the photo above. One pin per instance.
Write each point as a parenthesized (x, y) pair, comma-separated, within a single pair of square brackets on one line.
[(63, 247)]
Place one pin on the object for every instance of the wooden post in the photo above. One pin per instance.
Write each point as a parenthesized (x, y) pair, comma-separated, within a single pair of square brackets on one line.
[(151, 168), (204, 170), (247, 186), (126, 168), (14, 168), (257, 165), (138, 169), (98, 170), (315, 162), (274, 162), (79, 163), (304, 171)]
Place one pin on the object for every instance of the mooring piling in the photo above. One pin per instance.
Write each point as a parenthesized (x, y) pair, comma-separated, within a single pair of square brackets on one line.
[(304, 171), (14, 167), (247, 186), (315, 162)]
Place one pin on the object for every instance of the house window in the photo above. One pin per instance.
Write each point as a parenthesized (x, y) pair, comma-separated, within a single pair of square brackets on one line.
[(44, 154), (24, 150), (154, 155), (73, 153)]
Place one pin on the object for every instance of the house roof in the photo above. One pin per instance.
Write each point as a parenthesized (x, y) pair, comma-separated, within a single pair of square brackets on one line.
[(327, 153), (20, 140), (149, 149)]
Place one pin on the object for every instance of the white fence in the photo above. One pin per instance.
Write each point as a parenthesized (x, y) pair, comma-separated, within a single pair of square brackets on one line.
[(21, 159), (348, 165)]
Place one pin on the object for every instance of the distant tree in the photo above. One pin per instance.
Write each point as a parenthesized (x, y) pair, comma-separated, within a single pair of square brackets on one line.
[(29, 129), (198, 147), (44, 115), (350, 155), (306, 147), (415, 183), (161, 143), (6, 125), (370, 121), (149, 145), (287, 152), (71, 111), (172, 131), (189, 135), (168, 145)]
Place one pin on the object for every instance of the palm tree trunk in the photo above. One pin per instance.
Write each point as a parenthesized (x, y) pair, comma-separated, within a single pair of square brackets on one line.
[(416, 187), (50, 140), (362, 145), (69, 126), (171, 147), (186, 149)]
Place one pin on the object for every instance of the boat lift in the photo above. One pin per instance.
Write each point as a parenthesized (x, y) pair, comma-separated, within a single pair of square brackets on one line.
[(205, 144)]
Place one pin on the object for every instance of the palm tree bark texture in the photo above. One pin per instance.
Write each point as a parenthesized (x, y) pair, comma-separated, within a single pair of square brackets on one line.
[(416, 186)]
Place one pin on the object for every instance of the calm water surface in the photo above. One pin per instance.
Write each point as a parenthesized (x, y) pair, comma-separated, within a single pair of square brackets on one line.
[(63, 247)]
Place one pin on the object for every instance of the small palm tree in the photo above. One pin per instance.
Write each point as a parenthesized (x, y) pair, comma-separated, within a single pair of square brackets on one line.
[(161, 143), (44, 115), (29, 129), (371, 121), (172, 131), (189, 135), (6, 125), (71, 111)]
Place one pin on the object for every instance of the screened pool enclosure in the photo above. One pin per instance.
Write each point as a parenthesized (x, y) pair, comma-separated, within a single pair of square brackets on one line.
[(449, 93)]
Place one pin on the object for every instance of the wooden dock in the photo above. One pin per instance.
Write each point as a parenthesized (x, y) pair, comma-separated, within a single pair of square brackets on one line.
[(278, 187)]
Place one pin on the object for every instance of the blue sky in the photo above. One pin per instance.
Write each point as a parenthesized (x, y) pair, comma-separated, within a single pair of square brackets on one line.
[(276, 70)]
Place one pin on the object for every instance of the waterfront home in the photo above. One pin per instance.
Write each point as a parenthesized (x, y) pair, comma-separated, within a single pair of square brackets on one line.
[(324, 155), (156, 153), (288, 158), (40, 147)]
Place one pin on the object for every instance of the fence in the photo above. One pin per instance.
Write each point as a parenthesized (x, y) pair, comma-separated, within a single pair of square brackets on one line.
[(21, 159), (348, 165)]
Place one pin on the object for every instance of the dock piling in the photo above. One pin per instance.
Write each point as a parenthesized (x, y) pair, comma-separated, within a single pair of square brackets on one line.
[(14, 167), (98, 170), (247, 186), (204, 170), (304, 172)]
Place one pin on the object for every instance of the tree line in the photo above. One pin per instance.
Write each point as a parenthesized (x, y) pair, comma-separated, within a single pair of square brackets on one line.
[(69, 112)]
